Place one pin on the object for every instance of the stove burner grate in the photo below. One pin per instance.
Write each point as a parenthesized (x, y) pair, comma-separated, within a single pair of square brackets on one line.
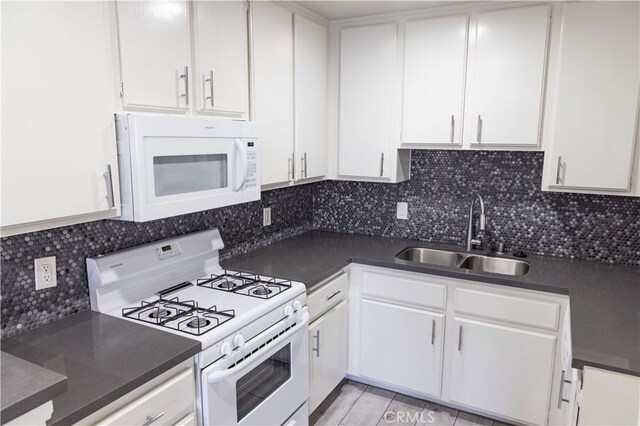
[(246, 284), (185, 316)]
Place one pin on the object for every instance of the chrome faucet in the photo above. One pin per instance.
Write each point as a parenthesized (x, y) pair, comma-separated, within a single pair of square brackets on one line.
[(471, 240)]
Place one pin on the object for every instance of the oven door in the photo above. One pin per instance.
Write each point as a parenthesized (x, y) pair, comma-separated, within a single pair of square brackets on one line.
[(265, 388)]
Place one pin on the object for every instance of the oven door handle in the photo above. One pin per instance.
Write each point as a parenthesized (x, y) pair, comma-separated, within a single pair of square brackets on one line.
[(219, 376), (244, 163)]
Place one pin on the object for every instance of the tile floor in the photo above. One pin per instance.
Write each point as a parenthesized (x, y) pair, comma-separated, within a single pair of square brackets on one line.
[(354, 403)]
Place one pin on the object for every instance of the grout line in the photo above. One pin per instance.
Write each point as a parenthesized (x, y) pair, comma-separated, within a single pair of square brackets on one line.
[(387, 407), (354, 403)]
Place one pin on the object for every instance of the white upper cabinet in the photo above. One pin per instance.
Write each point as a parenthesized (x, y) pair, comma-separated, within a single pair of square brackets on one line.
[(310, 41), (594, 98), (435, 53), (58, 100), (221, 79), (367, 82), (273, 95), (507, 70), (155, 54)]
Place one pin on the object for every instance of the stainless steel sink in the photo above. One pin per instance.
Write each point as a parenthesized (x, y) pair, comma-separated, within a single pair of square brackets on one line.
[(495, 265), (472, 262), (430, 256)]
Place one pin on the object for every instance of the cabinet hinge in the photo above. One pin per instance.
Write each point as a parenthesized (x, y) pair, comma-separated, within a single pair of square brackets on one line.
[(121, 89)]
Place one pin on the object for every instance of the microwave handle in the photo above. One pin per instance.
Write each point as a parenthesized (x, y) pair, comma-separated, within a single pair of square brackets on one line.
[(219, 376), (245, 166)]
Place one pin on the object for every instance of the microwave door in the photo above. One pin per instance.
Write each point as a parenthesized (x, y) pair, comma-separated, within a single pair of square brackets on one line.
[(184, 175)]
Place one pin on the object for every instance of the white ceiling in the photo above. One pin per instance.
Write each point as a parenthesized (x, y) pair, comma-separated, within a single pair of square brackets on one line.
[(340, 9)]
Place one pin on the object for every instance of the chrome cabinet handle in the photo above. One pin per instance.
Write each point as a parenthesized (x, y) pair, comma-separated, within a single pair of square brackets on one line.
[(152, 419), (381, 163), (561, 392), (317, 348), (453, 126), (293, 166), (303, 166), (433, 332), (210, 81), (333, 295), (479, 130), (460, 339), (558, 170), (289, 168), (108, 177), (186, 85)]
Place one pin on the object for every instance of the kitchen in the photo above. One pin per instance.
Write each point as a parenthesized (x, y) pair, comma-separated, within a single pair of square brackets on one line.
[(320, 161)]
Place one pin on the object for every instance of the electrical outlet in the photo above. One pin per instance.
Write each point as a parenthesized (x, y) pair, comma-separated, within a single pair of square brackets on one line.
[(402, 211), (45, 272), (266, 216)]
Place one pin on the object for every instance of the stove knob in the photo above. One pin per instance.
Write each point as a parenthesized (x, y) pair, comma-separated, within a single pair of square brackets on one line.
[(226, 348), (297, 305), (288, 311), (238, 341)]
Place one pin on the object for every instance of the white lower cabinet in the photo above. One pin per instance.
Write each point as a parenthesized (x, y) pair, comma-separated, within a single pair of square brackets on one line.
[(402, 346), (169, 399), (328, 352), (328, 337), (607, 397), (502, 370), (479, 347)]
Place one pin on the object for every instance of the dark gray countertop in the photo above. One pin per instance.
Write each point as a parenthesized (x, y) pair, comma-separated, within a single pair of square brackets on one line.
[(26, 386), (103, 358), (605, 299)]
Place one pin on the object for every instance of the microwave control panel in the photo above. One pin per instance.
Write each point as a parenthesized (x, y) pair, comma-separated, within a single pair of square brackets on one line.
[(252, 165)]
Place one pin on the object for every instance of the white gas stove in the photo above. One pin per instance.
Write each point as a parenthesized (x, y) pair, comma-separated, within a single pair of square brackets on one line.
[(253, 329)]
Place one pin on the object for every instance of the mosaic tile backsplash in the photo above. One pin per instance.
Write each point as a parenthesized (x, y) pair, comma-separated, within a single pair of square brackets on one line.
[(590, 227), (22, 308)]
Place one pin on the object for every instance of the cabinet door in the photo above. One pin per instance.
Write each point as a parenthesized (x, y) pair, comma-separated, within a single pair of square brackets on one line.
[(273, 79), (502, 370), (596, 107), (510, 57), (58, 99), (402, 346), (310, 97), (328, 353), (367, 68), (434, 74), (154, 54), (222, 76), (609, 398)]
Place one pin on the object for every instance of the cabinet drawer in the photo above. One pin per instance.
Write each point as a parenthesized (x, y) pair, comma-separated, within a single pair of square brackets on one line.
[(167, 402), (404, 290), (327, 296), (536, 313)]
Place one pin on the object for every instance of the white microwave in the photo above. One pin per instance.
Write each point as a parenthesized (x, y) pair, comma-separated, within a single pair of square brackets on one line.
[(176, 165)]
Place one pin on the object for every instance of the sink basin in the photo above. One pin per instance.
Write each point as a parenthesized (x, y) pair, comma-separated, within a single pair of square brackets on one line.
[(495, 265), (430, 256)]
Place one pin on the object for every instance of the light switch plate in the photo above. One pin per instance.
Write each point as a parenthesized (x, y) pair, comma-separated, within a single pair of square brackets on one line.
[(266, 216), (45, 268), (402, 211)]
